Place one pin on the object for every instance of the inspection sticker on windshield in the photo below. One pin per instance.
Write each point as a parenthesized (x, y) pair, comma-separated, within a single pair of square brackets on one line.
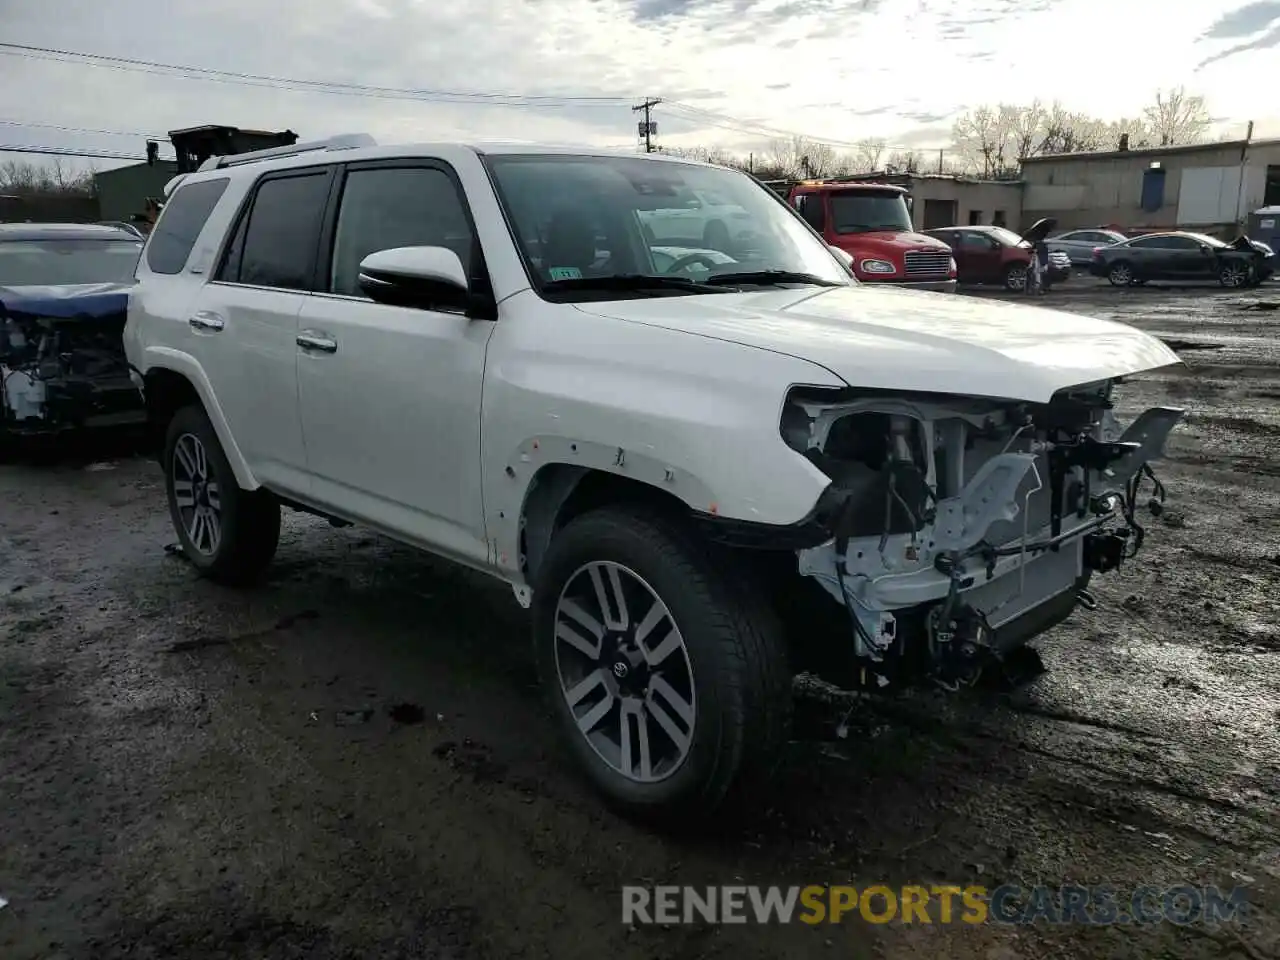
[(566, 273)]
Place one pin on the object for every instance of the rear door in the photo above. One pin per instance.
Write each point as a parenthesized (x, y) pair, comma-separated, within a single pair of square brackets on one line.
[(1150, 258), (248, 317)]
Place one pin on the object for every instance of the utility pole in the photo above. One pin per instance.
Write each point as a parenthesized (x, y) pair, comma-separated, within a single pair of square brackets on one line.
[(1241, 219), (647, 127)]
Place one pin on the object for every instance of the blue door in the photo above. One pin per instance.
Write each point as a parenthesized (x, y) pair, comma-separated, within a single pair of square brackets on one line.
[(1153, 189)]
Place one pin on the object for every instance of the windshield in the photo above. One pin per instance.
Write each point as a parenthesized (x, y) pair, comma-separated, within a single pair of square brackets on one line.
[(579, 218), (53, 262), (1007, 237), (865, 211)]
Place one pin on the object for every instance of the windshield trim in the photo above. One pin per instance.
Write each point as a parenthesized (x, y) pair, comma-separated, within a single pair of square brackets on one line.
[(490, 160)]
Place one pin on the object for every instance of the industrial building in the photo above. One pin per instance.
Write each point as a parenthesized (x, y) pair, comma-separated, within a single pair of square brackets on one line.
[(1209, 187), (123, 192)]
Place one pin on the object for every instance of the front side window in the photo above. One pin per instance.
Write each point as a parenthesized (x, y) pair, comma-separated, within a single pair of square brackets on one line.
[(976, 242), (282, 233), (385, 208), (180, 223), (869, 211), (55, 262), (593, 222)]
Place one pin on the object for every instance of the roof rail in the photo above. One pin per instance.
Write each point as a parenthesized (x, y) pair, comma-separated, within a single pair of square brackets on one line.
[(345, 141)]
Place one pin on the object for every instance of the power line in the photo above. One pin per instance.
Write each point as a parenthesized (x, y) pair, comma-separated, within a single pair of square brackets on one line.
[(339, 88), (725, 122), (367, 91), (58, 126), (69, 152)]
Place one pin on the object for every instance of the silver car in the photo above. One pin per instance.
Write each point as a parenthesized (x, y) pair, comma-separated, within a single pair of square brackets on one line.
[(1078, 245)]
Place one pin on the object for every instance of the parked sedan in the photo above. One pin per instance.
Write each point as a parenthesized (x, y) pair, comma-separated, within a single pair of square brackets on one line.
[(996, 255), (1180, 256), (1079, 245)]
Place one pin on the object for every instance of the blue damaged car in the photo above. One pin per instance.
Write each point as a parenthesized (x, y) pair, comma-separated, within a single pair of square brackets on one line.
[(64, 295)]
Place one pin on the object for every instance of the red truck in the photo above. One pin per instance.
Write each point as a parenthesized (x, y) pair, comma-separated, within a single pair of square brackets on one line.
[(871, 222)]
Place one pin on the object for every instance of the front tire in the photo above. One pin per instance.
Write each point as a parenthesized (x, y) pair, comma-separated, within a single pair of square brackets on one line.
[(1234, 275), (229, 534), (667, 675), (1015, 277)]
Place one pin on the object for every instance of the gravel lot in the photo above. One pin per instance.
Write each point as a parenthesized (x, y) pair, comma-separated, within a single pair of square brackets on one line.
[(353, 761)]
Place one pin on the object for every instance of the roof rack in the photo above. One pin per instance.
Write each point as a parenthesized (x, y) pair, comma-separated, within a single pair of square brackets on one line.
[(346, 141)]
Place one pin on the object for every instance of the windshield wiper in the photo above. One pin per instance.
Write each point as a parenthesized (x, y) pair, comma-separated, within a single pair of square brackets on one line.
[(639, 282), (771, 276)]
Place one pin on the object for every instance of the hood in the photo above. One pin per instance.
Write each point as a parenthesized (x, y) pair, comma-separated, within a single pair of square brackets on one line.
[(1039, 230), (910, 340), (885, 241), (66, 301)]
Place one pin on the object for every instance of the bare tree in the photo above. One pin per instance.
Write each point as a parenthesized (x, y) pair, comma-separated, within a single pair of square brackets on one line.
[(983, 136), (869, 152), (904, 161), (1177, 117), (1026, 127), (17, 177)]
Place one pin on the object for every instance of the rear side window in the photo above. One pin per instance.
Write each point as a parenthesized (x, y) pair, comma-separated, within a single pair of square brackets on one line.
[(277, 245), (180, 223)]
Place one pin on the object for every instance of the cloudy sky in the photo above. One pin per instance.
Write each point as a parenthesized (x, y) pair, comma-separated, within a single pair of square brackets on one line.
[(732, 72)]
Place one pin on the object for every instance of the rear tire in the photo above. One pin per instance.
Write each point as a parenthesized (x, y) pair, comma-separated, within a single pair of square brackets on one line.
[(229, 534), (689, 628)]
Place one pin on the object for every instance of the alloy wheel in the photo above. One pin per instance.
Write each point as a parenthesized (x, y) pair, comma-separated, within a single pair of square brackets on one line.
[(1121, 275), (196, 494), (1016, 279), (624, 672), (1234, 275)]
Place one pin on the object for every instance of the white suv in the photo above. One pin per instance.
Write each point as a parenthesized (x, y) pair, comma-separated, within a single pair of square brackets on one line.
[(474, 351)]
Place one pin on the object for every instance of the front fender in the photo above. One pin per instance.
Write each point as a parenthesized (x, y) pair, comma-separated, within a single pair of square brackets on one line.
[(695, 417), (166, 358)]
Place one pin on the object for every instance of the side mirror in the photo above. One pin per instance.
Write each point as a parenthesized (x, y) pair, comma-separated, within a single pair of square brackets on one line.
[(423, 277), (1204, 248)]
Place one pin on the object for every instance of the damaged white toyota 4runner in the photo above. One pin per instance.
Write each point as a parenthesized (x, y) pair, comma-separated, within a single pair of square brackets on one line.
[(704, 469)]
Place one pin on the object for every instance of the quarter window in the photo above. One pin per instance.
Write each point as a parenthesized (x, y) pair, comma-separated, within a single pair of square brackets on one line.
[(390, 207), (180, 223), (282, 233)]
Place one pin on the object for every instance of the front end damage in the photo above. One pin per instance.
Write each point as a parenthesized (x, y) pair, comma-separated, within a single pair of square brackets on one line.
[(62, 362), (956, 529)]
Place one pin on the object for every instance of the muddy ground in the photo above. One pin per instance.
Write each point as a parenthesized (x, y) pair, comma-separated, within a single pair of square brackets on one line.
[(190, 772)]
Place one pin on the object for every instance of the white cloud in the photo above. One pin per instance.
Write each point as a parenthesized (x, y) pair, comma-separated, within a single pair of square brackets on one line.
[(838, 70)]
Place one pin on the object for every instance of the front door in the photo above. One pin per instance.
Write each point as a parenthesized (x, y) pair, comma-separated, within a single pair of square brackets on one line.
[(977, 257), (390, 396)]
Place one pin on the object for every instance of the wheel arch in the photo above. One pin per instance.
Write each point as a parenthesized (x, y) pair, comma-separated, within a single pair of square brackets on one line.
[(171, 380), (559, 491)]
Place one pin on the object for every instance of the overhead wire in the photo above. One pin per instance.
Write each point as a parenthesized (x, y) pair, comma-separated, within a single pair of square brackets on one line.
[(681, 110)]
